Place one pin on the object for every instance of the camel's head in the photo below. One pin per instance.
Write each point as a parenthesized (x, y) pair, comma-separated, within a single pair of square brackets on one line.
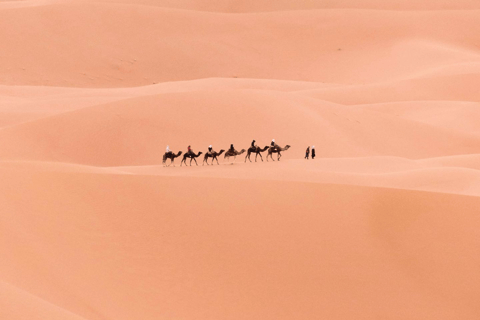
[(179, 153), (287, 146)]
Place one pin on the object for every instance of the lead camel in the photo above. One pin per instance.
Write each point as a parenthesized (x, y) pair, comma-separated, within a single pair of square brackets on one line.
[(273, 150)]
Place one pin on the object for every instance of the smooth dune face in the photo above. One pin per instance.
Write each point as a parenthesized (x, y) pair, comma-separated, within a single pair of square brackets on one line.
[(383, 224)]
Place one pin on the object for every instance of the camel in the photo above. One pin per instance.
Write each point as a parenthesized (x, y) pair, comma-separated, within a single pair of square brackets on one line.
[(213, 155), (233, 154), (170, 156), (257, 152), (192, 156), (272, 150)]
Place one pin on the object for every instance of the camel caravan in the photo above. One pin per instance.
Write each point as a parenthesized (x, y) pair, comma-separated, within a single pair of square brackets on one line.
[(231, 152)]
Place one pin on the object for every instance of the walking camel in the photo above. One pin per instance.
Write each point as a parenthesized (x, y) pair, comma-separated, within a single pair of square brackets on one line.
[(213, 155), (233, 154), (272, 150), (257, 151), (192, 156), (170, 156)]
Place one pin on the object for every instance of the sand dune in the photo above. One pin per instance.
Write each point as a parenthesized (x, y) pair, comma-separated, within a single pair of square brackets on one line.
[(135, 131), (383, 224), (116, 45), (460, 88), (347, 244), (236, 6), (18, 304)]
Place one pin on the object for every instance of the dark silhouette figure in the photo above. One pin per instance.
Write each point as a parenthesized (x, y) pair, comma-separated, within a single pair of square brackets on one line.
[(272, 150), (313, 152), (213, 155), (170, 155), (257, 152), (307, 152), (192, 156)]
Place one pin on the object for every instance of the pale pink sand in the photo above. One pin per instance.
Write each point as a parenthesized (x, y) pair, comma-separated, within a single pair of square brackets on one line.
[(382, 225)]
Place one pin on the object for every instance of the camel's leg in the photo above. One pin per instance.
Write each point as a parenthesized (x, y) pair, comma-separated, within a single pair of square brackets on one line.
[(260, 157), (195, 161), (217, 160)]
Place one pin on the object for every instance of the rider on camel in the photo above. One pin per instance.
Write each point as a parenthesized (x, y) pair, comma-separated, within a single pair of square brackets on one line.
[(254, 146), (274, 145)]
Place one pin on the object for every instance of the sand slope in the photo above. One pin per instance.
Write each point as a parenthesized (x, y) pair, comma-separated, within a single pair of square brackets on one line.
[(300, 255), (383, 224), (116, 45)]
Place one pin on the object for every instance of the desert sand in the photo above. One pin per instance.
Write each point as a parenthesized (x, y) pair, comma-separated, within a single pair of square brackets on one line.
[(383, 224)]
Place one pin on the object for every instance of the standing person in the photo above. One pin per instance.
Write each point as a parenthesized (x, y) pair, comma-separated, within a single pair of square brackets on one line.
[(313, 152), (210, 149), (307, 152)]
